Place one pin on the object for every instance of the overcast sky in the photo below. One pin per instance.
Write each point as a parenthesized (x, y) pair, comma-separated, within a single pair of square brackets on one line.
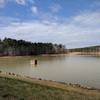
[(75, 23)]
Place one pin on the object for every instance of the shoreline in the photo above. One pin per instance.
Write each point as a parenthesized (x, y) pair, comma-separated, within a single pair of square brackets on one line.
[(97, 54), (50, 83), (35, 55), (68, 54)]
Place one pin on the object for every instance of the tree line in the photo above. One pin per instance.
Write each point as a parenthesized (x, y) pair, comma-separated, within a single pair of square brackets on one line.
[(86, 49), (13, 47)]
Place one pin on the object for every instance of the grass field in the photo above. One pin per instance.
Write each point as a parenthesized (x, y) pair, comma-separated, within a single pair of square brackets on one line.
[(13, 89)]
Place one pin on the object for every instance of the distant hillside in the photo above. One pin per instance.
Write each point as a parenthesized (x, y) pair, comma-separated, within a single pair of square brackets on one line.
[(86, 49), (12, 47)]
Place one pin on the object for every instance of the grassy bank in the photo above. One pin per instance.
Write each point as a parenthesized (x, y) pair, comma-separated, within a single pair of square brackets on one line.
[(22, 88)]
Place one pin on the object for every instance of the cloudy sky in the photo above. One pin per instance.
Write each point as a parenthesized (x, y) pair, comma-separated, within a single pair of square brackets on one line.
[(75, 23)]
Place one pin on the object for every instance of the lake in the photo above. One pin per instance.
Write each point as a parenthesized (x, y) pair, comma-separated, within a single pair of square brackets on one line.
[(84, 70)]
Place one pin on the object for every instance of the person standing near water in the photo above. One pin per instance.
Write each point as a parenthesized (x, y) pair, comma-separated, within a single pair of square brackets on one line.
[(35, 62)]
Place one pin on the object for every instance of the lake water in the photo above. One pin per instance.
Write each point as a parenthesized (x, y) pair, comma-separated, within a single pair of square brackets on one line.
[(84, 70)]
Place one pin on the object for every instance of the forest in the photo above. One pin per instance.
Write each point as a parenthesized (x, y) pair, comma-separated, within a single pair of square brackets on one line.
[(13, 47)]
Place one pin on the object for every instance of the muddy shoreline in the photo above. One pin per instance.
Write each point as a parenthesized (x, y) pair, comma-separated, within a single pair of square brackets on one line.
[(46, 82)]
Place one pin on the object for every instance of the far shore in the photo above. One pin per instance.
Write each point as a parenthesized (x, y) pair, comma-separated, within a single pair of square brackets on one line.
[(34, 55), (65, 54), (50, 83), (84, 53)]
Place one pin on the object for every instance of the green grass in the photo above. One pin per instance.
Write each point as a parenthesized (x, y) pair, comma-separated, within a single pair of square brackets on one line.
[(12, 89)]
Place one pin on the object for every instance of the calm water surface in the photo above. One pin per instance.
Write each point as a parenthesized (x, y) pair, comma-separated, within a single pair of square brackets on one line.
[(70, 69)]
